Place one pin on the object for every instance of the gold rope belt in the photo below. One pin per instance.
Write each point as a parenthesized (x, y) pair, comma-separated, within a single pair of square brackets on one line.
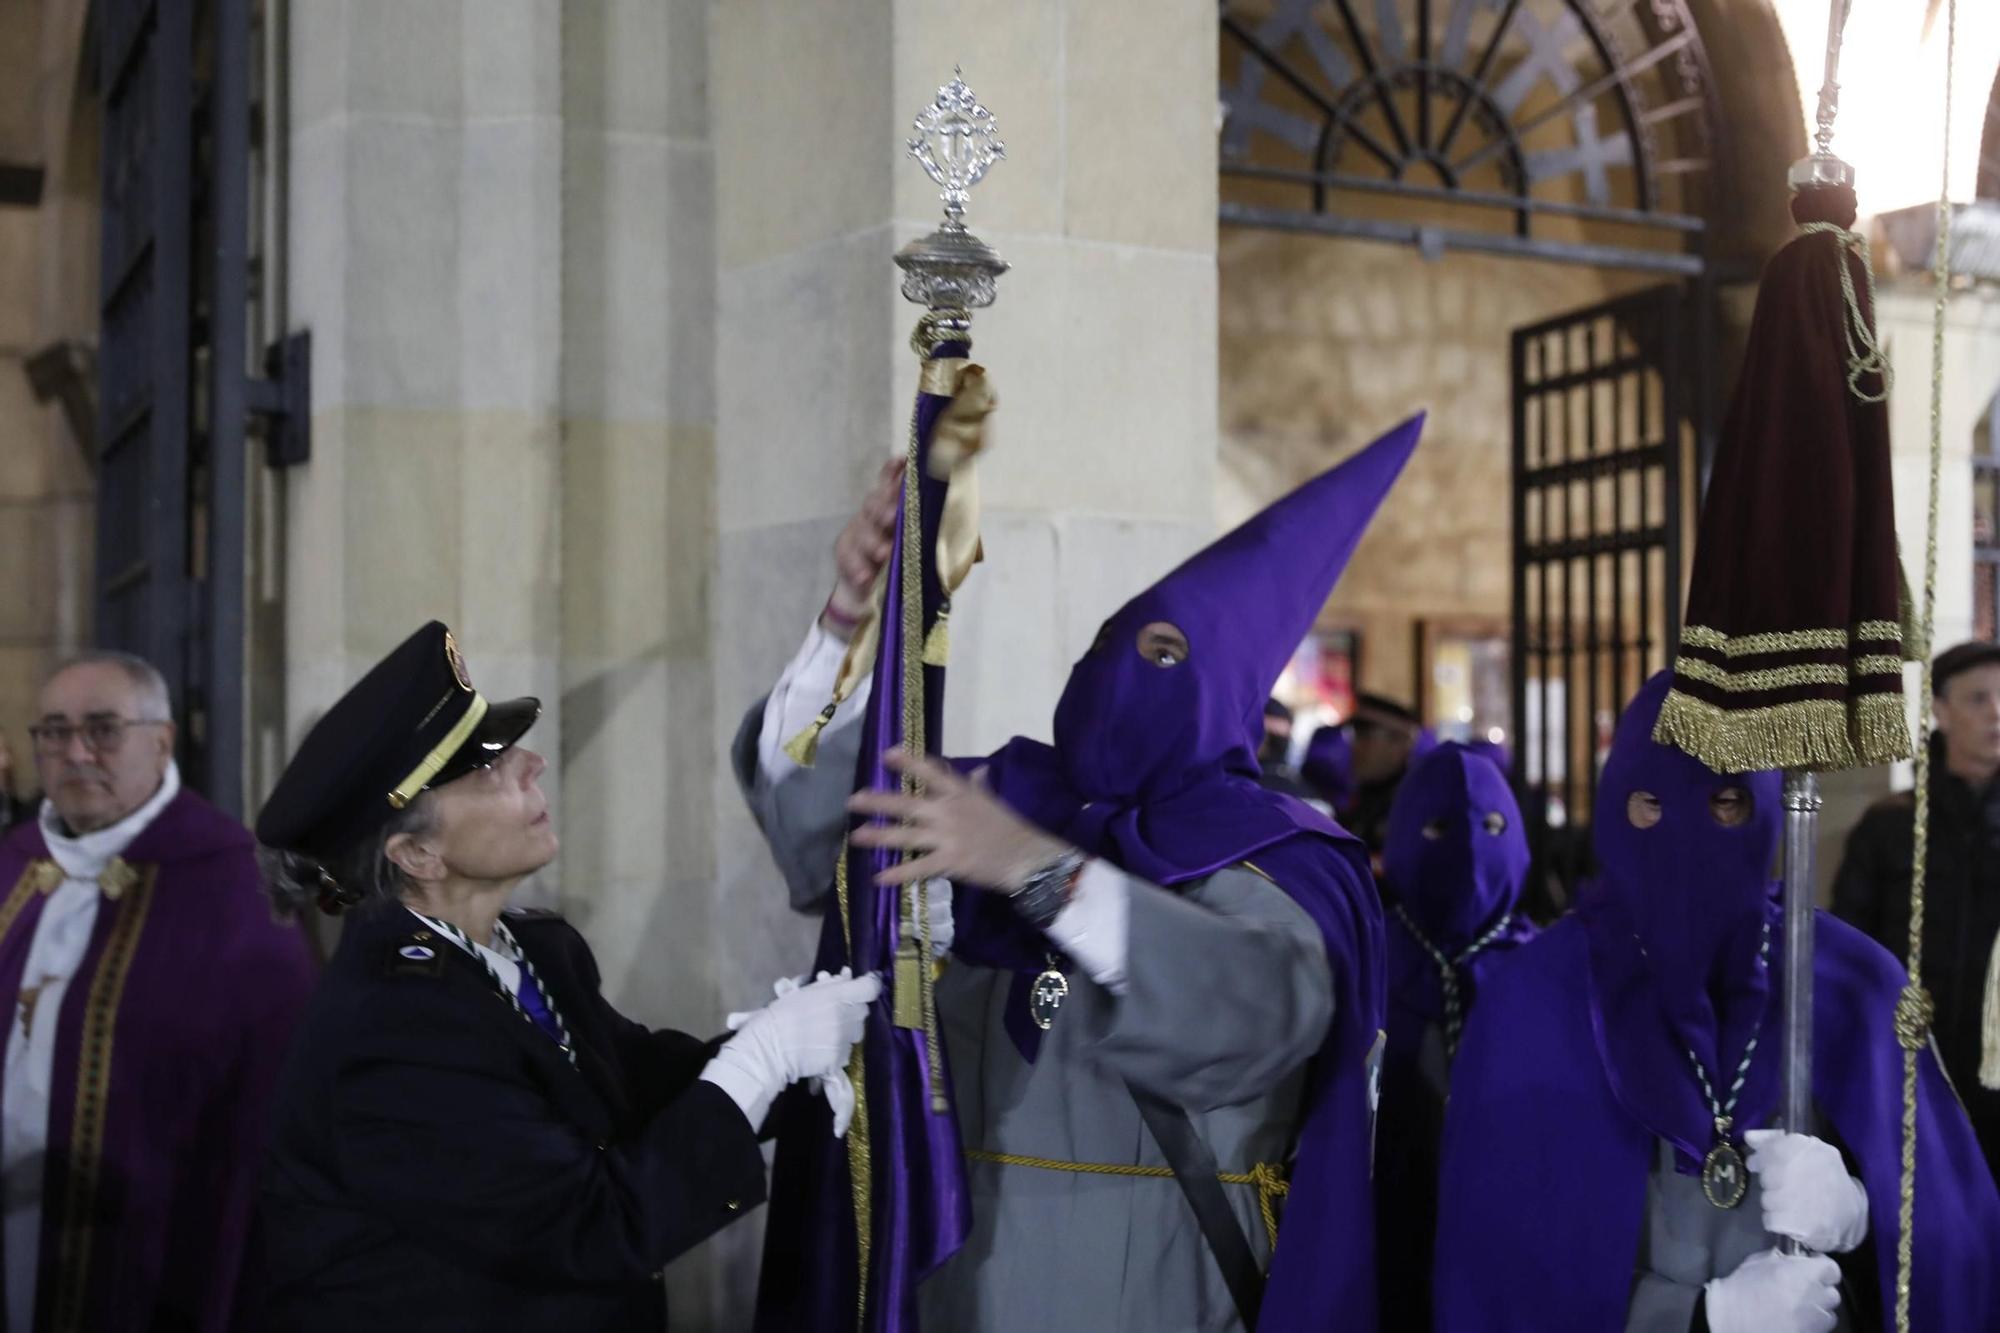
[(1269, 1179)]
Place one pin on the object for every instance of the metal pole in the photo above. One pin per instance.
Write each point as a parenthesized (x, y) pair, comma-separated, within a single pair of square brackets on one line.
[(1802, 803)]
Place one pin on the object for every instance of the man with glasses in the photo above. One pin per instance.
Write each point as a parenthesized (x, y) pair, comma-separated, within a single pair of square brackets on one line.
[(153, 994)]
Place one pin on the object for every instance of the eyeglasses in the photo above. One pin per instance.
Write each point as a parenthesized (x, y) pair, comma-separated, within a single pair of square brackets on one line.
[(101, 735)]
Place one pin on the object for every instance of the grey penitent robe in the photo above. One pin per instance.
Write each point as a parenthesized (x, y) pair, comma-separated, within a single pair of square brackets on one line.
[(1056, 1250)]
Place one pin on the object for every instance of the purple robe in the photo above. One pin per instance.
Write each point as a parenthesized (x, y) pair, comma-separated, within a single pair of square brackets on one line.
[(1576, 1064), (919, 1209), (1453, 869), (168, 1044)]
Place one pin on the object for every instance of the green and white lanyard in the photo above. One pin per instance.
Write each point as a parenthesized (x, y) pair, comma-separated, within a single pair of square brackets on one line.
[(529, 977)]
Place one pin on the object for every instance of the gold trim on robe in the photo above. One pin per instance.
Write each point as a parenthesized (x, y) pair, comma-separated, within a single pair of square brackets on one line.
[(93, 1087)]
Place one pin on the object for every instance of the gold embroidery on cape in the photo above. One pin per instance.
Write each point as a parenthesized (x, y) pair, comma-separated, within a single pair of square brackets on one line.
[(40, 876), (93, 1085)]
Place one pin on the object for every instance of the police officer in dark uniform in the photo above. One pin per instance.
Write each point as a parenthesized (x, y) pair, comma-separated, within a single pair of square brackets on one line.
[(468, 1137)]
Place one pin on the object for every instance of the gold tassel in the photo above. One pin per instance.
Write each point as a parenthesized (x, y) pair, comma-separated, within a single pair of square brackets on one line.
[(907, 1002), (1989, 1024), (937, 644), (803, 748)]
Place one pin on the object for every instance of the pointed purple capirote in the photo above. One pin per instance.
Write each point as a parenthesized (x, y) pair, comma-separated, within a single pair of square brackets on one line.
[(1154, 769), (1127, 729)]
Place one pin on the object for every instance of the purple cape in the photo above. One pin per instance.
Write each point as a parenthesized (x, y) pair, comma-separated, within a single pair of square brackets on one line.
[(1545, 1170), (169, 1042), (920, 1211), (1154, 770), (1455, 862)]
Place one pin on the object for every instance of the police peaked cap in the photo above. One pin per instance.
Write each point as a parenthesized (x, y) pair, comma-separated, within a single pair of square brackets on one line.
[(412, 723)]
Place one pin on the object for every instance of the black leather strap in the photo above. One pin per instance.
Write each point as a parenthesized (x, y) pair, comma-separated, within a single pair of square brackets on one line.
[(1195, 1171)]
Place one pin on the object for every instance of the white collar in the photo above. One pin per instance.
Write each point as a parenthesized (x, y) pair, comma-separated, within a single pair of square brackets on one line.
[(85, 856)]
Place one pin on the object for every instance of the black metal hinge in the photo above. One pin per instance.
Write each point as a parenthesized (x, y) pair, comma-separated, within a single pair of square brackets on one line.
[(281, 402)]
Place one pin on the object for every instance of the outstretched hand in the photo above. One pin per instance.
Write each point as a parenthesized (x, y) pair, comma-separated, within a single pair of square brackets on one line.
[(953, 828)]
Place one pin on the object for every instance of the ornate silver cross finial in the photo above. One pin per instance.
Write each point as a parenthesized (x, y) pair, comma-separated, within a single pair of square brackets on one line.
[(955, 143), (952, 270)]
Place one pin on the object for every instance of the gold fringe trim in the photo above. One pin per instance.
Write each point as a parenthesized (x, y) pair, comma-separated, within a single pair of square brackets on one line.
[(1809, 733), (1791, 640), (80, 1204), (860, 1159)]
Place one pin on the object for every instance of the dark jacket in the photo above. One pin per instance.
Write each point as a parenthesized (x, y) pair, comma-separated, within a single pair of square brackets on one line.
[(438, 1164), (1961, 915)]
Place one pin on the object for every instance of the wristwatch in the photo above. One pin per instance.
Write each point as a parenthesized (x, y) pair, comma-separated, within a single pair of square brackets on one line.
[(1046, 891)]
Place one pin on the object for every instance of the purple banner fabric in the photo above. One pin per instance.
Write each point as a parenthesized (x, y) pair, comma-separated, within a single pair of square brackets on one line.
[(920, 1212)]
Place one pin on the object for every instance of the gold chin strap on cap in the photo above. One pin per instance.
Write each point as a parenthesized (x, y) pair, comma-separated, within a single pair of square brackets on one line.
[(420, 776)]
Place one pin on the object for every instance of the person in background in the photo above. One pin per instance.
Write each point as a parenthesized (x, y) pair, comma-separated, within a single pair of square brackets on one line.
[(1453, 869), (1274, 753), (1962, 900), (1385, 738), (1328, 768), (153, 994)]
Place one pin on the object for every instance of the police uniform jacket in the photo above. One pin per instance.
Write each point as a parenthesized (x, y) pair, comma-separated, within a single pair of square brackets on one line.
[(438, 1162)]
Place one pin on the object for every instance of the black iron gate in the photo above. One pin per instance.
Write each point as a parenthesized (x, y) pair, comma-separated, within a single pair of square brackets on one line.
[(146, 342), (1606, 402), (178, 396)]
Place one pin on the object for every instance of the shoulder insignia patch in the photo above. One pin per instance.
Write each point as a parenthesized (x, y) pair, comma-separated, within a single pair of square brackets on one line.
[(413, 957)]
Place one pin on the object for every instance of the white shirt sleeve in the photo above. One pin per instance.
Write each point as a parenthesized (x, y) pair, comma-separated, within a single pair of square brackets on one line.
[(802, 692), (1092, 926)]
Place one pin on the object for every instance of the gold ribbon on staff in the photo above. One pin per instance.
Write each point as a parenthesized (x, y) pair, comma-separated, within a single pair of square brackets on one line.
[(957, 438)]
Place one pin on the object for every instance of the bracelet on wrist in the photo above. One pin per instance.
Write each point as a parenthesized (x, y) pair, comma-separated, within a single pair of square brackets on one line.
[(836, 619), (1042, 896)]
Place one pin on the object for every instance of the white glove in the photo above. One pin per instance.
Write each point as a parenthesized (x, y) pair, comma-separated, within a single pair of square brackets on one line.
[(1807, 1192), (806, 1032), (836, 1087), (1776, 1293), (943, 932)]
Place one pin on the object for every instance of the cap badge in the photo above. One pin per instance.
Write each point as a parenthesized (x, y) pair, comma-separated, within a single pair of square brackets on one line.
[(457, 663)]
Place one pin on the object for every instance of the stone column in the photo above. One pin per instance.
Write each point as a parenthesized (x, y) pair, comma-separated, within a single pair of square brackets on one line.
[(425, 256), (638, 481), (48, 294), (1102, 346)]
